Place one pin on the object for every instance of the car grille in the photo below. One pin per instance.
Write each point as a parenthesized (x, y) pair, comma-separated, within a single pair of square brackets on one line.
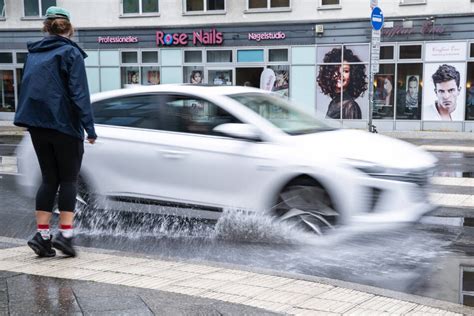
[(419, 177)]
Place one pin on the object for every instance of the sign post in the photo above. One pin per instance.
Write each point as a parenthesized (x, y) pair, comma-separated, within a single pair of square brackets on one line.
[(376, 19)]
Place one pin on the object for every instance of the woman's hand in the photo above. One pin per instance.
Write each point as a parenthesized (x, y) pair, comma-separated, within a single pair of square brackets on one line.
[(91, 140)]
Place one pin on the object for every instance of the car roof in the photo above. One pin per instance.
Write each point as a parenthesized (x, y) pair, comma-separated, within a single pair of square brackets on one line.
[(207, 90)]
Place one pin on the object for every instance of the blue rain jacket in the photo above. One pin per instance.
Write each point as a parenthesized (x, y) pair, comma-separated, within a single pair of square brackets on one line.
[(54, 92)]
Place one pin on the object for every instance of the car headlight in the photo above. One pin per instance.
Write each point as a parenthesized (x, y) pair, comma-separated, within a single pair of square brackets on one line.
[(367, 166)]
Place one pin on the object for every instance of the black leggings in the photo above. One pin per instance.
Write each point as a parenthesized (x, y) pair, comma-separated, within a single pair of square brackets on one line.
[(60, 157)]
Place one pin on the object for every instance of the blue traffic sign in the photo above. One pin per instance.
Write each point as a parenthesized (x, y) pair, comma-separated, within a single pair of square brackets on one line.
[(376, 18)]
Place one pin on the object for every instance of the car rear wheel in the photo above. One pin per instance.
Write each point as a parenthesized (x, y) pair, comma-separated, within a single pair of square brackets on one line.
[(307, 205)]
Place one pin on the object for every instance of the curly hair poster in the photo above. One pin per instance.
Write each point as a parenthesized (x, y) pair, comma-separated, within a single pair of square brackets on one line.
[(342, 82)]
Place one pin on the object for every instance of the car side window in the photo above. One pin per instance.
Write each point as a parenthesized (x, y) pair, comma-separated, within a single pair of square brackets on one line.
[(195, 115), (139, 111)]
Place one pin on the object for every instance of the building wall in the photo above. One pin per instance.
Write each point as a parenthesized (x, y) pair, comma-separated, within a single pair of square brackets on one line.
[(107, 13)]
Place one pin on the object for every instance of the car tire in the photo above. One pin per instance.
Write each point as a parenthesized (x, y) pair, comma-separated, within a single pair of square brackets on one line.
[(305, 204)]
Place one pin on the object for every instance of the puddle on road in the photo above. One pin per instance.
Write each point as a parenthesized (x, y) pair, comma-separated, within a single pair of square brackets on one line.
[(393, 258)]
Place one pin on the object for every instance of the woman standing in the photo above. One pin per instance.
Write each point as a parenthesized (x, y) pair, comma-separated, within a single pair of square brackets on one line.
[(54, 105)]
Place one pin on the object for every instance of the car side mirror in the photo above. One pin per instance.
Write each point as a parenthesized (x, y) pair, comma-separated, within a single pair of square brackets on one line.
[(238, 130)]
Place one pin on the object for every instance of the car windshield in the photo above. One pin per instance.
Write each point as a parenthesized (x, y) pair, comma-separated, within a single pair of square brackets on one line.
[(281, 113)]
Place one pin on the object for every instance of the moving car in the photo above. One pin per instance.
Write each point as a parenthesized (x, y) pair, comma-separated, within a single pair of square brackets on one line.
[(208, 149)]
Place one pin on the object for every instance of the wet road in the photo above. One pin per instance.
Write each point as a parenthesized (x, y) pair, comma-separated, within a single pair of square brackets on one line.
[(409, 259), (421, 259)]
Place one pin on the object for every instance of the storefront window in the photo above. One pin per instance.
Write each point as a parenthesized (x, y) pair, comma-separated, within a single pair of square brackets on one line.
[(193, 56), (282, 80), (220, 77), (384, 91), (6, 58), (19, 77), (194, 75), (255, 55), (342, 82), (410, 52), (219, 56), (149, 57), (21, 58), (130, 76), (470, 91), (7, 91), (276, 55), (409, 91), (386, 52), (151, 75), (472, 50), (129, 57)]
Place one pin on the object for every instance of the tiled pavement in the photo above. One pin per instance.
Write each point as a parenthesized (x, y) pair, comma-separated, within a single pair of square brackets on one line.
[(97, 282)]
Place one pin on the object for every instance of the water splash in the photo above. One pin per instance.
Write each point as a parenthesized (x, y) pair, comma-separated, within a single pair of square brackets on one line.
[(235, 225), (138, 221)]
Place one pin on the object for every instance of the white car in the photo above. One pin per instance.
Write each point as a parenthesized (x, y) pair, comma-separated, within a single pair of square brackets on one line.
[(216, 148)]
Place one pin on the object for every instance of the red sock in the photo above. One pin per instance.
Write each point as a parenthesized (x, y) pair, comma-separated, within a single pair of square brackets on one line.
[(43, 229), (66, 230)]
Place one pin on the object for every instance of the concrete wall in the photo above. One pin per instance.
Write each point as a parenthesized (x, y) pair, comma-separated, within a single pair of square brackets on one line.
[(106, 13)]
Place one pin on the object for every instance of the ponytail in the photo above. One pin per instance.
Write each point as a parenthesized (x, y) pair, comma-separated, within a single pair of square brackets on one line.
[(58, 26)]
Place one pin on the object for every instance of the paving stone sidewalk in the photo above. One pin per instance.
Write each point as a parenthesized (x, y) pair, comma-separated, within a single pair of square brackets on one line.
[(100, 282)]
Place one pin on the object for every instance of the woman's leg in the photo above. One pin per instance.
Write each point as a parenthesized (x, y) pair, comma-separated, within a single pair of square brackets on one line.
[(41, 241), (69, 152)]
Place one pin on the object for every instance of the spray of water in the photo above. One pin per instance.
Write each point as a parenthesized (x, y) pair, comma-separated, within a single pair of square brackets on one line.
[(236, 225), (136, 221)]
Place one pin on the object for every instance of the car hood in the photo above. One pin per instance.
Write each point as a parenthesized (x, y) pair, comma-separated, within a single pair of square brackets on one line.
[(364, 146)]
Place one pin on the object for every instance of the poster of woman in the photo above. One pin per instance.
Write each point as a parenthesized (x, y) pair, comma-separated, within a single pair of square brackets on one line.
[(153, 77), (193, 75), (342, 83)]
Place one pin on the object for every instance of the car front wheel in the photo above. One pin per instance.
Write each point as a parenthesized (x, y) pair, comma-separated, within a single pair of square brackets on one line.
[(307, 205)]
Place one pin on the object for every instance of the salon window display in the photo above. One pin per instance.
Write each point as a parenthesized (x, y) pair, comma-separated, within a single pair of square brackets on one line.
[(193, 75), (409, 91), (282, 80), (151, 76), (342, 82), (220, 77), (443, 98), (130, 76), (383, 96)]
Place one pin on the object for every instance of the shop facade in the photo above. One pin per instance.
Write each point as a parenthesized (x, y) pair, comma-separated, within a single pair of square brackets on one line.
[(323, 69)]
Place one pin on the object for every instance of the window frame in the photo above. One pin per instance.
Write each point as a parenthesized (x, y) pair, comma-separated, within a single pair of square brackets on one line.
[(203, 57), (140, 12), (402, 44), (34, 17), (322, 6), (268, 8), (205, 11), (267, 55)]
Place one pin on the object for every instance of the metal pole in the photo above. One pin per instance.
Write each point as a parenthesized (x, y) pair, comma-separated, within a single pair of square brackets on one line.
[(371, 86)]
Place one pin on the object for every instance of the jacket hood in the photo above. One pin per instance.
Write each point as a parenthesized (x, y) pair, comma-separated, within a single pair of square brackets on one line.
[(52, 42)]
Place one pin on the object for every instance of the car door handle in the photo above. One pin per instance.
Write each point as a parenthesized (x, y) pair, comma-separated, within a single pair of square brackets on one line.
[(173, 154)]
